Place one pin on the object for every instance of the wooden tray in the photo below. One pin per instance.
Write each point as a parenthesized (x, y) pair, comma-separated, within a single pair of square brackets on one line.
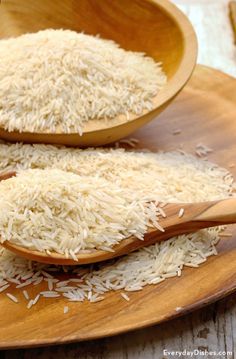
[(205, 111)]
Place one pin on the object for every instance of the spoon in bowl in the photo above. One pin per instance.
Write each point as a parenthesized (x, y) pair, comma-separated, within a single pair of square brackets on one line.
[(179, 219)]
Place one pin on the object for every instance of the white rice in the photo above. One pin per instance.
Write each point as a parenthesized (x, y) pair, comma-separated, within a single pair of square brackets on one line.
[(47, 275), (65, 289), (26, 295), (202, 150), (125, 296), (38, 281), (177, 131), (50, 283), (56, 81), (49, 294), (161, 211), (63, 212), (131, 142), (35, 300), (13, 280), (4, 287), (30, 304), (169, 177), (225, 234), (62, 283), (181, 212), (177, 309), (12, 297), (25, 284), (66, 310)]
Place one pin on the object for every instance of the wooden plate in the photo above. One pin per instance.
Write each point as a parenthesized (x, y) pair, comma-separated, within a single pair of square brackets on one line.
[(205, 111)]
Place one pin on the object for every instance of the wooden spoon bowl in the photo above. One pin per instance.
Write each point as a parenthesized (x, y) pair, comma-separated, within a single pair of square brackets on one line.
[(195, 216), (157, 28)]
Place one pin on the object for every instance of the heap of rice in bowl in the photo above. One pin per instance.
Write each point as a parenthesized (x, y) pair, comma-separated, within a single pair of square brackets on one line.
[(57, 81)]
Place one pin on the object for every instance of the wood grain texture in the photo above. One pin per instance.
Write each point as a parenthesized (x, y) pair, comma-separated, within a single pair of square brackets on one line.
[(137, 25), (203, 107), (212, 328), (196, 216)]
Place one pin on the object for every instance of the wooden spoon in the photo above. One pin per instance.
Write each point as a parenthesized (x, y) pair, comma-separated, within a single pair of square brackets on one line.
[(196, 216)]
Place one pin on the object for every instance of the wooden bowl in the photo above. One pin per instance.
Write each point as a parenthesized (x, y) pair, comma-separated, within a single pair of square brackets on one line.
[(157, 28)]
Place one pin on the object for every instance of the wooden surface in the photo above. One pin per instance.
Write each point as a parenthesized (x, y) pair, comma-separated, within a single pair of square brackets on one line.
[(196, 216), (197, 111), (142, 26), (212, 328)]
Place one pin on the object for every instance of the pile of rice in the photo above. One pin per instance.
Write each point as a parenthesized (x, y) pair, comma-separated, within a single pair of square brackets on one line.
[(56, 81), (52, 210), (170, 177)]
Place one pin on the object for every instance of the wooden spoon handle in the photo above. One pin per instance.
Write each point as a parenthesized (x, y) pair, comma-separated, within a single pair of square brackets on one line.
[(197, 216), (219, 212)]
